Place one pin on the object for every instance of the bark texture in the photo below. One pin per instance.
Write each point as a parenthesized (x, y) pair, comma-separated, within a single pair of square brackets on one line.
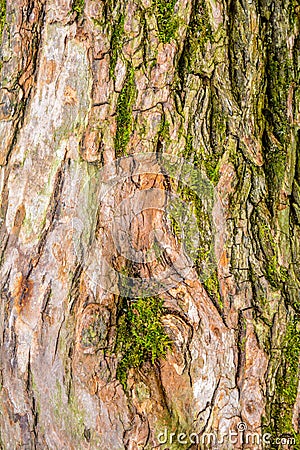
[(82, 84)]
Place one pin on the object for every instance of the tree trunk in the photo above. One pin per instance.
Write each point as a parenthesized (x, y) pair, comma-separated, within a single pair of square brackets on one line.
[(150, 223)]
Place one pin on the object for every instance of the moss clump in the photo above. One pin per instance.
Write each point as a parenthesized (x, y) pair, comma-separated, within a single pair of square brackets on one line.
[(167, 24), (124, 114), (78, 6), (116, 43), (2, 16), (140, 334), (287, 380)]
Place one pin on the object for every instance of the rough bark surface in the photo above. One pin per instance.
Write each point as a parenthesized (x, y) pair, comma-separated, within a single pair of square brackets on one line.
[(215, 82)]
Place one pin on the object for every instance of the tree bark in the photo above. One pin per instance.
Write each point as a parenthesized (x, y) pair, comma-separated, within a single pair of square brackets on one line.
[(110, 110)]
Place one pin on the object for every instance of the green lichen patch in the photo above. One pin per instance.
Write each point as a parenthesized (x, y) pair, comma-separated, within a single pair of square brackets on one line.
[(69, 415), (184, 223), (166, 20), (279, 75), (287, 380), (276, 159), (140, 334), (196, 227), (2, 16), (164, 130), (212, 287), (94, 333), (190, 213), (188, 150), (274, 273), (78, 7), (199, 33), (124, 114), (212, 167), (209, 161), (116, 44)]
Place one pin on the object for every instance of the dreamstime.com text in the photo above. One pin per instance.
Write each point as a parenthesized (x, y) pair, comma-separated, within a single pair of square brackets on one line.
[(239, 436)]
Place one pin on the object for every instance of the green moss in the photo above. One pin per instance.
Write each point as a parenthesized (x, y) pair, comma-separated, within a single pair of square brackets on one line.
[(164, 130), (275, 273), (97, 22), (124, 114), (212, 166), (176, 226), (280, 75), (2, 16), (140, 334), (166, 22), (201, 253), (242, 336), (186, 220), (210, 162), (188, 150), (276, 164), (78, 6), (189, 217), (287, 379), (200, 31), (212, 287), (271, 271), (116, 44), (264, 233), (198, 34)]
